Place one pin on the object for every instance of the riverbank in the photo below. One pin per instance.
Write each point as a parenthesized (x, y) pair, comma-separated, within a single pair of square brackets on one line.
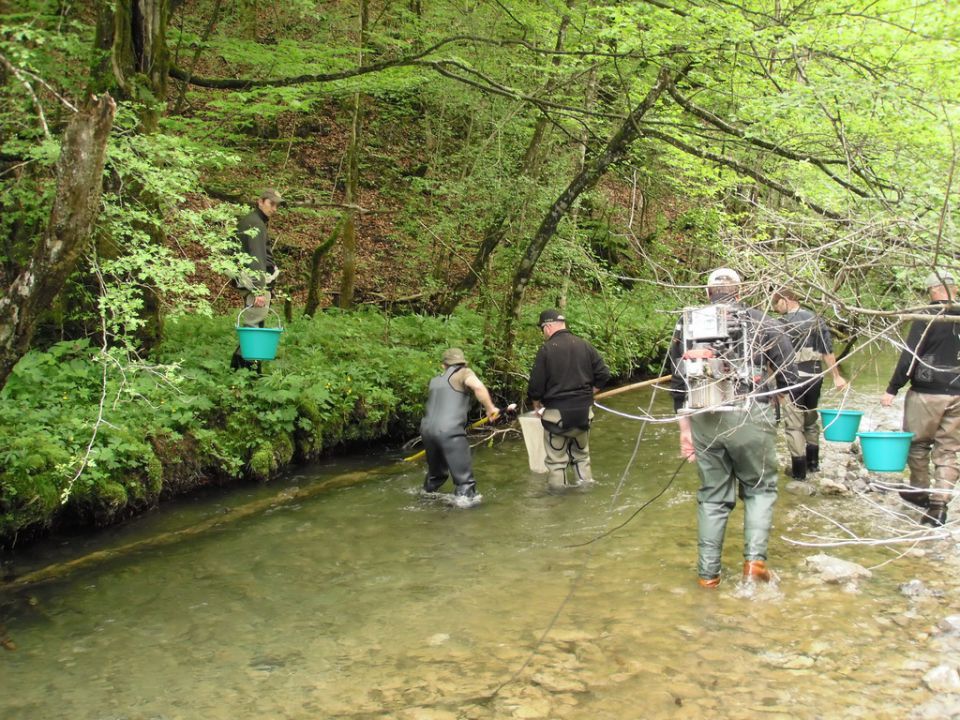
[(92, 438)]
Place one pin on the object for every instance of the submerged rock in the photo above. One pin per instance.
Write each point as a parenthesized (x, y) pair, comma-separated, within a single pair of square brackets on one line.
[(916, 588), (943, 679), (949, 625), (835, 570)]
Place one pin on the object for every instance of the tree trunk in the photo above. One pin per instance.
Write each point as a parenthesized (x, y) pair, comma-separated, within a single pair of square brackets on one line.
[(581, 161), (585, 180), (313, 292), (141, 61), (79, 173), (352, 195), (497, 229)]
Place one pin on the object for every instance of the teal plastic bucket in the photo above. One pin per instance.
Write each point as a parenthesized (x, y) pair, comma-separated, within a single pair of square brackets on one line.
[(258, 343), (885, 451), (840, 425)]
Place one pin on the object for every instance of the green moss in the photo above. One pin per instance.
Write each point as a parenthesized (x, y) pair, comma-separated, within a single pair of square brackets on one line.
[(154, 478), (262, 464)]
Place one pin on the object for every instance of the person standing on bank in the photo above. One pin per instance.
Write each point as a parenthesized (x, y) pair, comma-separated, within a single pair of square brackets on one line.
[(931, 410), (443, 426), (812, 345), (566, 373), (260, 271), (725, 360)]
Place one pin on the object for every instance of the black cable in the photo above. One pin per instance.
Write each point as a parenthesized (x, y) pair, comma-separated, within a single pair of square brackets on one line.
[(636, 512)]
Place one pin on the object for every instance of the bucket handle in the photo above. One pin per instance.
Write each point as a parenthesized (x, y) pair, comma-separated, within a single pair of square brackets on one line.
[(270, 310)]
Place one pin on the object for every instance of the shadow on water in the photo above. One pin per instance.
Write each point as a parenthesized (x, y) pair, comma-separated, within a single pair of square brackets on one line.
[(370, 601)]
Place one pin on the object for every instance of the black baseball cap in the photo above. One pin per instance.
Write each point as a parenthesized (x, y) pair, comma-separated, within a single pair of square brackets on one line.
[(548, 316)]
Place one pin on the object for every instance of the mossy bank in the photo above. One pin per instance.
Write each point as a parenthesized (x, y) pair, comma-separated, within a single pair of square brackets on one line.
[(91, 437)]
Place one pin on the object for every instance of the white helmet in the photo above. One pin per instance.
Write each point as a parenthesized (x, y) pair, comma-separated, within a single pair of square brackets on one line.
[(723, 276)]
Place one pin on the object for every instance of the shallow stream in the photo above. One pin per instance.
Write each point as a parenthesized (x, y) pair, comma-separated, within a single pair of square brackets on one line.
[(369, 601)]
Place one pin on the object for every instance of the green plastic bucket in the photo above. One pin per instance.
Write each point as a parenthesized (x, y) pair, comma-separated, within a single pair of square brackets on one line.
[(885, 451), (840, 425), (258, 343)]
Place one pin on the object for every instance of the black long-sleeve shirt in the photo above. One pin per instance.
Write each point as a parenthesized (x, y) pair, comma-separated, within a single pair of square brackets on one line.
[(931, 360), (565, 371)]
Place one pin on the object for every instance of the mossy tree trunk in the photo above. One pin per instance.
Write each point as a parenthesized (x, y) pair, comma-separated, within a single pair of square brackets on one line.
[(131, 56), (352, 195), (132, 61), (79, 174)]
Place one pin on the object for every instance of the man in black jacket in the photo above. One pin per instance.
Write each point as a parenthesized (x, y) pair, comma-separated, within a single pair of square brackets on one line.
[(260, 271), (931, 410), (566, 373)]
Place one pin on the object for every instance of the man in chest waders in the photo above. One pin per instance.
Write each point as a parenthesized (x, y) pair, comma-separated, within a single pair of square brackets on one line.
[(931, 411), (443, 426), (728, 361), (566, 373), (813, 346)]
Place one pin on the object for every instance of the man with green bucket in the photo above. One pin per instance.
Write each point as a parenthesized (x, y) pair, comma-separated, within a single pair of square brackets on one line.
[(260, 271), (931, 410), (813, 345)]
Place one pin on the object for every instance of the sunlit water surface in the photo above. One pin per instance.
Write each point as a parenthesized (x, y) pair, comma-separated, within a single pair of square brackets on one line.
[(369, 601)]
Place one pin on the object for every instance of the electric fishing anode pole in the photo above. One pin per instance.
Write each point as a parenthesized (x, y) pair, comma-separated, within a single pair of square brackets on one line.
[(511, 408), (632, 386)]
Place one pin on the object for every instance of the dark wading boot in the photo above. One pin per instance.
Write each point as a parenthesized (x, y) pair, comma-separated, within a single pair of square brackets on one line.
[(813, 458), (237, 362), (798, 469), (935, 516), (920, 498)]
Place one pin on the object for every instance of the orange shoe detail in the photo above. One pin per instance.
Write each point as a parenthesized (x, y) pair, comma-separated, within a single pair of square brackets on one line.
[(708, 582), (756, 570)]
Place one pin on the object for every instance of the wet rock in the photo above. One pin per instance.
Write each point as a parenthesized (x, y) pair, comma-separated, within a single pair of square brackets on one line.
[(916, 588), (438, 639), (831, 486), (950, 625), (835, 570), (558, 683), (787, 661), (422, 713), (800, 487), (943, 679), (943, 707)]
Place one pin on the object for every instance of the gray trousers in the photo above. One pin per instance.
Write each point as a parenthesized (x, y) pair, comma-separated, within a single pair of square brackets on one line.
[(935, 422), (449, 455), (570, 448), (253, 316), (736, 455)]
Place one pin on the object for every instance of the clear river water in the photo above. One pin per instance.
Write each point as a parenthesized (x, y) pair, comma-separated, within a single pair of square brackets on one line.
[(370, 601)]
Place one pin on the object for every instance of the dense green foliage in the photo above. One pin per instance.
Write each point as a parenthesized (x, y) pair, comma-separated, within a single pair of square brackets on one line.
[(90, 438), (805, 142)]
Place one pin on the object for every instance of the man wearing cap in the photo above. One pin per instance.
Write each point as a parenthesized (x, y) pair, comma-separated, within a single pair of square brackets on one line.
[(254, 282), (444, 420), (812, 344), (566, 373), (931, 410), (733, 442)]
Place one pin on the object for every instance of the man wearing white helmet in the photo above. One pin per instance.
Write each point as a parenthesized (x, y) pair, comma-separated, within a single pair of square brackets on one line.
[(931, 410), (728, 362)]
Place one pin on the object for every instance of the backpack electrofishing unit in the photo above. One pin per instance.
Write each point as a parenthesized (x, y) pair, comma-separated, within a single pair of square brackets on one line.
[(716, 363)]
